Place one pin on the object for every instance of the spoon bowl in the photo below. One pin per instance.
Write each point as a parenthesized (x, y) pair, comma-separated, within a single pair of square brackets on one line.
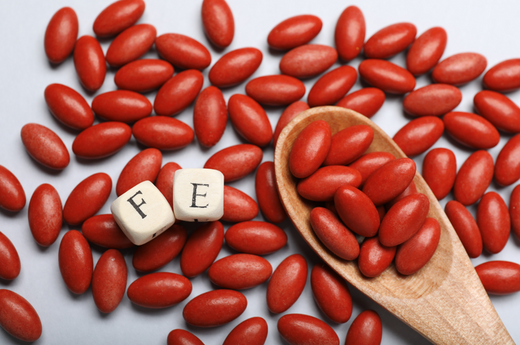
[(445, 300)]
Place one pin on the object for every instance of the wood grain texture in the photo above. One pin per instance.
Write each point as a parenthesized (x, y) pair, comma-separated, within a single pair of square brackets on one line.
[(444, 301)]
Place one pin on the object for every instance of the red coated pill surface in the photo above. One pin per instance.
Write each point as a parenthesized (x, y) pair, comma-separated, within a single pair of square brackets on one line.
[(432, 100), (144, 166), (294, 32), (117, 17), (403, 220), (332, 86), (102, 230), (143, 75), (163, 133), (370, 162), (252, 331), (349, 144), (101, 140), (182, 337), (90, 63), (164, 182), (214, 308), (411, 189), (210, 116), (61, 35), (12, 195), (390, 180), (267, 193), (331, 293), (235, 162), (349, 35), (357, 210), (202, 248), (68, 106), (466, 227), (390, 40), (218, 22), (10, 268), (238, 206), (426, 51), (493, 222), (250, 120), (178, 92), (109, 281), (333, 234), (386, 76), (87, 198), (75, 261), (235, 67), (240, 271), (131, 44), (473, 178), (288, 114), (161, 250), (159, 290), (507, 166), (412, 255), (122, 106), (471, 130), (374, 258), (459, 68), (255, 237), (504, 76), (308, 60), (419, 135), (439, 171), (275, 89), (18, 317), (499, 277), (323, 184), (310, 149), (514, 210), (183, 51), (45, 146), (45, 215), (286, 283), (366, 101), (366, 329), (498, 109), (299, 329)]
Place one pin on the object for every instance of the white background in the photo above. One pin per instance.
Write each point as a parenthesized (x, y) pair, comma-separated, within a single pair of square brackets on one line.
[(489, 28)]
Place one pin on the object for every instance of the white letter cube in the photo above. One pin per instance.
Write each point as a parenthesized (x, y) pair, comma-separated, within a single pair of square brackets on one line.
[(198, 195), (142, 213)]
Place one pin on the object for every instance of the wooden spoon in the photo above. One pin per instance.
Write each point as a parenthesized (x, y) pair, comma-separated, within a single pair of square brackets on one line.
[(444, 301)]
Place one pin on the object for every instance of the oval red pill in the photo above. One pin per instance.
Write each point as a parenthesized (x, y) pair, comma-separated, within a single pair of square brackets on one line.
[(159, 290), (366, 101), (163, 133), (45, 146), (432, 100), (357, 210), (238, 206), (202, 248), (331, 293), (426, 51), (117, 17), (267, 193), (390, 180), (178, 93), (18, 317), (218, 22), (182, 337), (370, 162), (240, 271), (101, 140), (109, 281), (286, 283), (68, 106), (10, 268), (499, 277), (102, 230), (122, 106), (332, 86), (366, 329), (131, 44), (164, 182), (183, 51), (310, 149), (45, 215), (12, 195), (299, 329), (252, 331), (374, 257), (75, 261), (473, 178), (322, 185), (349, 34), (507, 166), (308, 60), (386, 76), (514, 210), (493, 222), (143, 75), (498, 109), (504, 76), (471, 130), (214, 308), (144, 166), (235, 162), (288, 114), (294, 32), (255, 237), (459, 69), (61, 35), (95, 189), (466, 227), (349, 144), (390, 40), (210, 116), (439, 171), (275, 89), (419, 135), (250, 120), (235, 67), (90, 63)]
